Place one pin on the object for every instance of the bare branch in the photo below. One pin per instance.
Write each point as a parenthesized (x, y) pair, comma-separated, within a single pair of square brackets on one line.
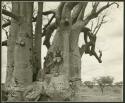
[(9, 22), (99, 24), (49, 22), (105, 7), (49, 12), (94, 13), (76, 11), (10, 14), (33, 19)]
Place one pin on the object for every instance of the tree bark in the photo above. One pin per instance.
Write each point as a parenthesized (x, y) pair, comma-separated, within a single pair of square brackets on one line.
[(23, 51), (75, 58), (10, 48)]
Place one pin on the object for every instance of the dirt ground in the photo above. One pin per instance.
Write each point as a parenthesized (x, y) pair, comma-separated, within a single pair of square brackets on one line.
[(85, 94), (111, 94)]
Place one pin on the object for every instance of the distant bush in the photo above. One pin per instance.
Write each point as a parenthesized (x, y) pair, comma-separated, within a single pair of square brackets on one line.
[(119, 84), (89, 84)]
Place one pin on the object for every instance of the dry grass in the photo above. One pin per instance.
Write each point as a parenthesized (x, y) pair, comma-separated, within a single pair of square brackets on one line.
[(111, 94)]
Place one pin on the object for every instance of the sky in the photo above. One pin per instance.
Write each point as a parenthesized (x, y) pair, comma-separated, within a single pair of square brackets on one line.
[(109, 40)]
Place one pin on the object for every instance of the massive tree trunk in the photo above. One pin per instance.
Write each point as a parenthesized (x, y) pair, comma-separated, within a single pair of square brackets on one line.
[(23, 51), (61, 39)]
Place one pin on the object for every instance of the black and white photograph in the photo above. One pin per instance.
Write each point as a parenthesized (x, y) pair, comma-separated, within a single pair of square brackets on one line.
[(58, 51)]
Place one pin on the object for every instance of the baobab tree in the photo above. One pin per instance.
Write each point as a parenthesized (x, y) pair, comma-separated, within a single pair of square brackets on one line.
[(62, 66)]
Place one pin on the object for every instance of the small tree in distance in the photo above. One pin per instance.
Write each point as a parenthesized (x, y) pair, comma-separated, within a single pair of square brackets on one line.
[(104, 81)]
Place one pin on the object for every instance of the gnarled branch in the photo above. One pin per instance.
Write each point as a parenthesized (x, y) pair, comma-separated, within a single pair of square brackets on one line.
[(98, 57), (89, 47)]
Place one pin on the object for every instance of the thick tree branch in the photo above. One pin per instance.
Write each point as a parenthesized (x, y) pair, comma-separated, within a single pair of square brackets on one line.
[(33, 19), (76, 11), (66, 12), (81, 14), (4, 43), (59, 12), (10, 14), (47, 33), (45, 13), (48, 12), (6, 24)]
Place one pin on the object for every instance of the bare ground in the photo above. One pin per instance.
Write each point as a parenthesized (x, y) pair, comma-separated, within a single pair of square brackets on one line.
[(111, 94)]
